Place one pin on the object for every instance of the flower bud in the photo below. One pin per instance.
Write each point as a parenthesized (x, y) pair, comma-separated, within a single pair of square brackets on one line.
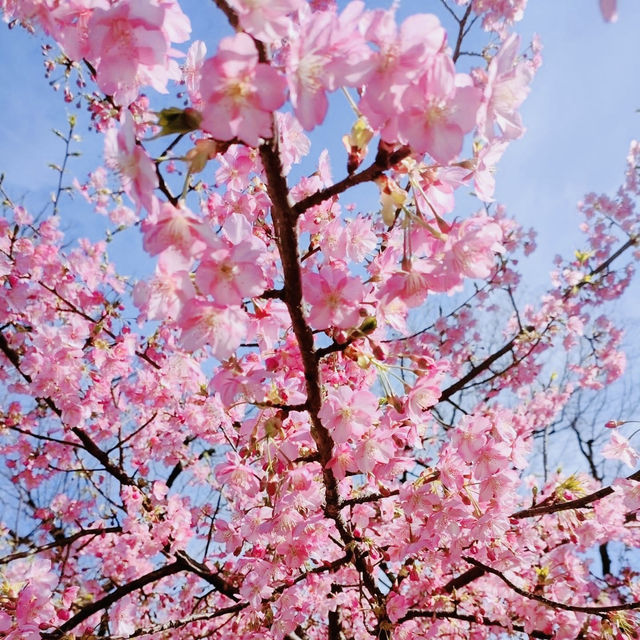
[(205, 150), (174, 120)]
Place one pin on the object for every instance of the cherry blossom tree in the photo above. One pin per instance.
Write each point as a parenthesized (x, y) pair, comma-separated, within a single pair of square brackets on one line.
[(309, 422)]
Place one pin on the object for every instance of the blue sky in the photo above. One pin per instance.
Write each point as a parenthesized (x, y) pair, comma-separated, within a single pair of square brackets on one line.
[(580, 115)]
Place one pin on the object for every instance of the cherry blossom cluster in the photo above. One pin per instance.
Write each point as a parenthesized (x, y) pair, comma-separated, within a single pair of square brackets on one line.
[(317, 418)]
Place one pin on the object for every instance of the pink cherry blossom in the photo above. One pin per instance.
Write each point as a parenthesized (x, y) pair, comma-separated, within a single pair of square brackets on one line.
[(400, 57), (202, 323), (136, 169), (329, 51), (436, 188), (335, 298), (498, 14), (473, 246), (232, 271), (174, 228), (423, 396), (342, 461), (164, 295), (348, 415), (372, 450), (294, 144), (619, 448), (609, 9), (130, 46), (192, 70), (449, 112), (506, 87), (361, 239), (305, 435), (239, 93), (485, 166), (267, 21)]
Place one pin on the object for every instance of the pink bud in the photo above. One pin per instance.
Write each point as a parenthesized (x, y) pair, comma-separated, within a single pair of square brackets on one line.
[(608, 9), (614, 424)]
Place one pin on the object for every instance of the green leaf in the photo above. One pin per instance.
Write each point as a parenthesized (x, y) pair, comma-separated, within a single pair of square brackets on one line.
[(174, 120)]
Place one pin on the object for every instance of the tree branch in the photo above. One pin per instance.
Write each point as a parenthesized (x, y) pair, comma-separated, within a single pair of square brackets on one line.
[(59, 542), (105, 602), (383, 161), (461, 32), (567, 293), (597, 610), (487, 622), (284, 222), (175, 624), (578, 503), (463, 579), (89, 445)]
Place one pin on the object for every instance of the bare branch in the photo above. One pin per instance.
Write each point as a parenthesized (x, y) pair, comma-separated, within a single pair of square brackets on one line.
[(578, 503), (59, 542), (600, 610)]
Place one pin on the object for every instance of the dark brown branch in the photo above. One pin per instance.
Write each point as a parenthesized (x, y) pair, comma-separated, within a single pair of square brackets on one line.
[(111, 598), (183, 562), (513, 364), (92, 448), (13, 357), (175, 624), (372, 497), (162, 185), (82, 314), (134, 433), (62, 169), (334, 347), (334, 625), (450, 10), (383, 161), (461, 32), (281, 406), (487, 622), (578, 503), (570, 291), (284, 221), (597, 610), (478, 369), (175, 472), (235, 608), (463, 579), (450, 314), (89, 445), (229, 13), (38, 436), (605, 559), (59, 542), (631, 242), (272, 294), (201, 570)]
